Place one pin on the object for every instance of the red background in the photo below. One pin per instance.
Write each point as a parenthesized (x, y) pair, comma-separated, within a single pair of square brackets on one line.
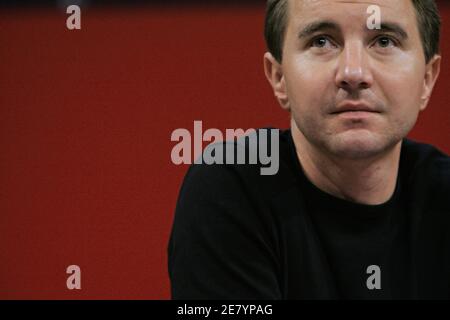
[(85, 122)]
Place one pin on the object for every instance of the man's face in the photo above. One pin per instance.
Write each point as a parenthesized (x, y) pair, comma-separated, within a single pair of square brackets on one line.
[(332, 61)]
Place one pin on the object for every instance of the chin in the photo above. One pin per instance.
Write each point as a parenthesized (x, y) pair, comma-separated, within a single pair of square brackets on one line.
[(360, 144)]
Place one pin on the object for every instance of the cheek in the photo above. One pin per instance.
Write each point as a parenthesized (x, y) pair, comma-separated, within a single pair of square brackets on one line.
[(307, 83), (401, 86), (400, 89)]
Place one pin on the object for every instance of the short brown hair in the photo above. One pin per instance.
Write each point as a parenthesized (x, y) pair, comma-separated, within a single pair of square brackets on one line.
[(428, 21)]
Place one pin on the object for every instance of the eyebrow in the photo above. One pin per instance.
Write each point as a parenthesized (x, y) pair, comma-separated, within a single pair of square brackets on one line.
[(317, 26), (393, 28), (327, 25)]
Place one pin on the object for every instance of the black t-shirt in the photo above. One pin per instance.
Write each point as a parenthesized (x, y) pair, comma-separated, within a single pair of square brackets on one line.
[(238, 234)]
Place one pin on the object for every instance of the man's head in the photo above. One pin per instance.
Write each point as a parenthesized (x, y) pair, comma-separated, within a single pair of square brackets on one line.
[(323, 58)]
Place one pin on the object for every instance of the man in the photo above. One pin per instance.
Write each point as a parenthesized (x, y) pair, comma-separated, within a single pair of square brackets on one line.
[(356, 210)]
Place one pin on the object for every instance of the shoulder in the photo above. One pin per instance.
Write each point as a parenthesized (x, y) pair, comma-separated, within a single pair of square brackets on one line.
[(258, 163), (425, 156), (426, 164)]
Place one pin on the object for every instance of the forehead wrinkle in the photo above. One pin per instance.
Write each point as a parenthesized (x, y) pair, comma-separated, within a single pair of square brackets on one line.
[(350, 2), (368, 3), (358, 2), (317, 4)]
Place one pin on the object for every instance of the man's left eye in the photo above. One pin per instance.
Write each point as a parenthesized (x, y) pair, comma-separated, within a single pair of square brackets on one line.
[(385, 42)]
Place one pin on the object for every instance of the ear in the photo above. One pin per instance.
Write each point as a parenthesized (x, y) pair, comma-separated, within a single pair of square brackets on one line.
[(432, 71), (275, 76)]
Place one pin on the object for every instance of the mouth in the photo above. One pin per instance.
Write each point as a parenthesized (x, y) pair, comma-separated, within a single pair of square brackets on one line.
[(355, 108), (355, 114), (355, 111)]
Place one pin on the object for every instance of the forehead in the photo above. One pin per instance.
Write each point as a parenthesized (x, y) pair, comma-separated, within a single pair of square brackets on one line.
[(351, 11)]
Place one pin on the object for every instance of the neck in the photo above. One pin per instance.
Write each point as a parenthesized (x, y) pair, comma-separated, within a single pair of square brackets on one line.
[(365, 181)]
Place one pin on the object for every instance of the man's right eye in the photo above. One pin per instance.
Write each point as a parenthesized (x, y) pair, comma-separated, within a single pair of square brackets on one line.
[(321, 42)]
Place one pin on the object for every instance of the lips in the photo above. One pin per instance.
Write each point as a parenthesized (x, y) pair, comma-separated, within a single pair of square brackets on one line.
[(348, 106)]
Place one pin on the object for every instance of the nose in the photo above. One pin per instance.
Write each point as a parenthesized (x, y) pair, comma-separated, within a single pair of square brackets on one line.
[(354, 69)]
